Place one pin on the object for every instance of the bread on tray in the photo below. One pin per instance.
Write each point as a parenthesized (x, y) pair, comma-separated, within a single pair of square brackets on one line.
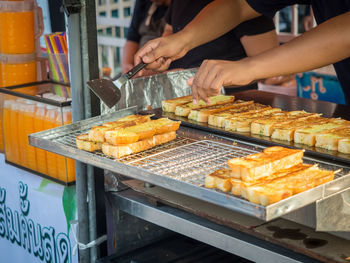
[(268, 177), (83, 143), (201, 115), (185, 109), (130, 134), (122, 150), (170, 105), (329, 139), (258, 165)]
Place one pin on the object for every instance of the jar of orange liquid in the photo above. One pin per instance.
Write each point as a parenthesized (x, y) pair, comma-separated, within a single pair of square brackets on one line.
[(21, 132), (7, 129), (17, 32), (39, 119), (29, 111), (49, 123), (67, 119), (14, 134), (18, 69)]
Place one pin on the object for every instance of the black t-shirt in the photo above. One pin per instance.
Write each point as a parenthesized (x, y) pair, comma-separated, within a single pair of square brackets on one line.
[(323, 10), (226, 47), (139, 15)]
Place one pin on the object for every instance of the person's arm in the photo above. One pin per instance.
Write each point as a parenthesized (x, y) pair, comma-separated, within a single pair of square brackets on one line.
[(214, 20), (168, 30), (129, 50), (323, 45), (254, 45)]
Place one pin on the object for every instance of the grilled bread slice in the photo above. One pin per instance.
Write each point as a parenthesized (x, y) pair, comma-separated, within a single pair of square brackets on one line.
[(292, 183), (240, 187), (185, 109), (344, 146), (170, 105), (260, 165), (265, 126), (201, 115), (83, 143), (307, 135), (132, 119), (329, 139), (219, 179), (218, 119), (242, 123), (140, 131), (118, 151), (285, 131), (97, 133)]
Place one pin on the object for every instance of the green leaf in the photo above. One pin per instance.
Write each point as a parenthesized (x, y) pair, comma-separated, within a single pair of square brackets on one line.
[(69, 205), (43, 184)]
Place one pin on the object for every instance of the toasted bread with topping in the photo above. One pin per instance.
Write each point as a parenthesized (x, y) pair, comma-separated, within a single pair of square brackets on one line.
[(83, 143), (260, 165), (118, 151), (344, 145), (217, 119), (242, 123), (219, 179), (265, 126), (201, 115), (307, 135), (329, 139), (285, 131), (185, 109), (170, 105)]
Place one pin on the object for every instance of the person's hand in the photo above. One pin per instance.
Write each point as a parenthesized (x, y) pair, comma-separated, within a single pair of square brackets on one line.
[(160, 52), (214, 74)]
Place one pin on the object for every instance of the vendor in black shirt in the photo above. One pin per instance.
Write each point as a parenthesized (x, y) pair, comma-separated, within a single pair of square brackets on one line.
[(327, 43), (249, 38), (147, 23)]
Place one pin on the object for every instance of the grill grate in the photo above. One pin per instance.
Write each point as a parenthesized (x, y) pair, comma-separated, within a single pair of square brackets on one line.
[(192, 162)]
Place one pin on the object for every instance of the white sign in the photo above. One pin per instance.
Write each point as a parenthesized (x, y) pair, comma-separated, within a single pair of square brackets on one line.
[(34, 218)]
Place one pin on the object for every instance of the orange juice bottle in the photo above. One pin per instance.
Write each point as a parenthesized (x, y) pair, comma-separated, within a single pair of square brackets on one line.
[(67, 119), (49, 123), (18, 69), (14, 134), (21, 132), (17, 28), (29, 129), (39, 119), (61, 160), (7, 129)]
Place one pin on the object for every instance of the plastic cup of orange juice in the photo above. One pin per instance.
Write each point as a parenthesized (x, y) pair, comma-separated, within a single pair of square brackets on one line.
[(18, 69), (17, 32)]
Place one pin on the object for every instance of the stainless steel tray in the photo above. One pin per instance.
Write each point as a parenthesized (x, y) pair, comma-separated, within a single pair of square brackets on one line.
[(181, 165)]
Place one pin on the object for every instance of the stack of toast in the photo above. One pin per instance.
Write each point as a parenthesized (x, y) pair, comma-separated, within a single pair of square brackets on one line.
[(247, 116), (268, 177), (127, 135)]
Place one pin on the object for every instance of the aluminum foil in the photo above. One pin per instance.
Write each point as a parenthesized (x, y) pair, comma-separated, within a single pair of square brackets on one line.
[(150, 91)]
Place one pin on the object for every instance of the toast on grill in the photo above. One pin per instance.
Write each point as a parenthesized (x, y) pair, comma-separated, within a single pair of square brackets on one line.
[(265, 126), (201, 115), (185, 109), (140, 132), (285, 131), (260, 165), (219, 179), (242, 123), (97, 133), (240, 187), (307, 135), (119, 151), (218, 119), (329, 139), (83, 143), (292, 183), (344, 146), (170, 105)]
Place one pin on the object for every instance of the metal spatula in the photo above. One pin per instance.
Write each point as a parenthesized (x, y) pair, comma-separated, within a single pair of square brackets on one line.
[(107, 91)]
